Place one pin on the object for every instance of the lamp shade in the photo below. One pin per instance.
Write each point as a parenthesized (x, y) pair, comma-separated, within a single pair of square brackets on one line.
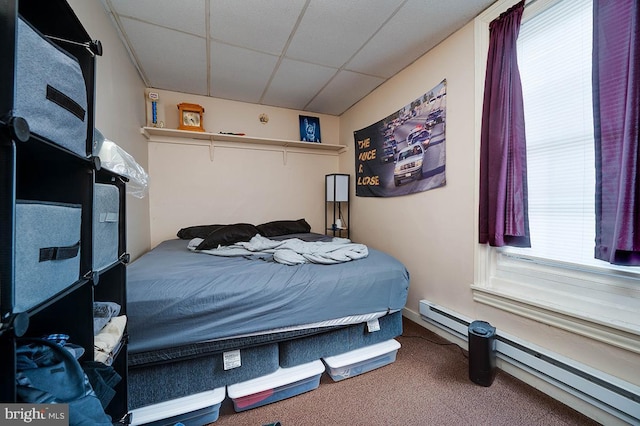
[(337, 187)]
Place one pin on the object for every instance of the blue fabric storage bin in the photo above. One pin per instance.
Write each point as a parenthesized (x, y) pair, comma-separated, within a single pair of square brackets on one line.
[(106, 209), (51, 91), (47, 250)]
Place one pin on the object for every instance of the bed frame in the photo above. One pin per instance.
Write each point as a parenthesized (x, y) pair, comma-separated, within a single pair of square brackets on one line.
[(198, 368), (178, 368)]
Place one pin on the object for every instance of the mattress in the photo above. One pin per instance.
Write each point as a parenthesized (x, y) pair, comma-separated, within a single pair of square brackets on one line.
[(176, 297), (333, 342), (209, 347), (151, 384)]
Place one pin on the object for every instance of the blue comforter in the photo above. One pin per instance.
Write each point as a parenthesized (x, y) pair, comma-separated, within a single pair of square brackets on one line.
[(177, 297)]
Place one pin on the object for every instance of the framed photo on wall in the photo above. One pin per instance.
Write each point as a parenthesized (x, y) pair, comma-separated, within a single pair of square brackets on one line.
[(309, 129)]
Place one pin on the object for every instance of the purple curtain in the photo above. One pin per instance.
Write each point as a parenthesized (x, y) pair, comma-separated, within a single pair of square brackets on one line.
[(616, 102), (503, 216)]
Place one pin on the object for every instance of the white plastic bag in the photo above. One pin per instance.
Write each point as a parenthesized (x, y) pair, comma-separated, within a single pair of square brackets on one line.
[(116, 159)]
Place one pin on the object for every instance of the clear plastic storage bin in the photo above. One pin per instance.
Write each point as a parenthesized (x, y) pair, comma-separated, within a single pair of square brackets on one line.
[(193, 410), (361, 360), (281, 384)]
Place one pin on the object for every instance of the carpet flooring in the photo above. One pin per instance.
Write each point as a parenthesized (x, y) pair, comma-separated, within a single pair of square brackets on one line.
[(428, 384)]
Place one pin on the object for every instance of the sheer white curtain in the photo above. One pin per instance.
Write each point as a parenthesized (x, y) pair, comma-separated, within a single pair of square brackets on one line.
[(554, 56)]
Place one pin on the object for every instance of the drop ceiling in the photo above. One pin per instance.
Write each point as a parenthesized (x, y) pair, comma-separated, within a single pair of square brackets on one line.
[(320, 56)]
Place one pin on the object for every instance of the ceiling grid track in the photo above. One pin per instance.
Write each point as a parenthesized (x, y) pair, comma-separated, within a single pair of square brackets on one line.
[(207, 25), (284, 51), (344, 66)]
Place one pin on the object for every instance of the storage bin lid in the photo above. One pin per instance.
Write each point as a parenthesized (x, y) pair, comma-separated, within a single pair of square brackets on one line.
[(362, 354), (178, 406), (280, 377)]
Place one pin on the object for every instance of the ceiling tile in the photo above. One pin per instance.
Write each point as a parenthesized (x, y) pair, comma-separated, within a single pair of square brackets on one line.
[(417, 27), (183, 15), (331, 31), (263, 25), (239, 74), (313, 55), (295, 83), (346, 89), (401, 45), (186, 68)]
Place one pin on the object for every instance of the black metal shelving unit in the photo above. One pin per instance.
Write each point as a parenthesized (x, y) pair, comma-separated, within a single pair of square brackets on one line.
[(37, 169)]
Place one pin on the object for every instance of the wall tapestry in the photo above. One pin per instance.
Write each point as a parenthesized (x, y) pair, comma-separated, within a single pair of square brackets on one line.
[(405, 152)]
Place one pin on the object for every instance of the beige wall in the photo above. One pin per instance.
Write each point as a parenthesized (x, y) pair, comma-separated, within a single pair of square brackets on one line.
[(434, 232), (185, 186), (230, 183), (222, 115), (119, 109)]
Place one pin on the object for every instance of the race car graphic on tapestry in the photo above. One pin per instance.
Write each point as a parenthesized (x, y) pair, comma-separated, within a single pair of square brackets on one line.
[(405, 152)]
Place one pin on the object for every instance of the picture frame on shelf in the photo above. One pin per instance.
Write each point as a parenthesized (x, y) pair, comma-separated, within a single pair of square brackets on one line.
[(310, 129)]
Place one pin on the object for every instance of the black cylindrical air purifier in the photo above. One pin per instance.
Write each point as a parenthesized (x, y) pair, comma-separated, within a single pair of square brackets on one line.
[(482, 354)]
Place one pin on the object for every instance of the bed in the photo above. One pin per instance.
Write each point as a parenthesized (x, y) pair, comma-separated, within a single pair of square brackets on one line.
[(198, 319)]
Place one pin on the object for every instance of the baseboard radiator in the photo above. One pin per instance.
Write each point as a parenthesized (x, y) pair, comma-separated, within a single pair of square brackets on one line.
[(614, 396)]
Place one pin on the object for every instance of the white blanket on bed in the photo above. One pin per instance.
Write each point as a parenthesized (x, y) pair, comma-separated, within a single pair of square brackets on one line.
[(293, 251)]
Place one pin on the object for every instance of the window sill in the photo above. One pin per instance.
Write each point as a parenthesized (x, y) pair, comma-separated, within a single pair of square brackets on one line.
[(569, 300)]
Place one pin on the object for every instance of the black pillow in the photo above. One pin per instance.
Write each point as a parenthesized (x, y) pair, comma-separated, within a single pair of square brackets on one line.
[(283, 227), (227, 235), (200, 231)]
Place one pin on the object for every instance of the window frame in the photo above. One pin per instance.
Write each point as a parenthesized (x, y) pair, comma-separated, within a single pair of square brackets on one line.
[(594, 301)]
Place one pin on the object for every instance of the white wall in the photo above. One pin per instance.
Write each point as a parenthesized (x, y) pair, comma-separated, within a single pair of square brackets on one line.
[(119, 109), (433, 232)]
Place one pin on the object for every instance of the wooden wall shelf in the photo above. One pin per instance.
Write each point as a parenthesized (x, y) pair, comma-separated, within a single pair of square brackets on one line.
[(156, 134)]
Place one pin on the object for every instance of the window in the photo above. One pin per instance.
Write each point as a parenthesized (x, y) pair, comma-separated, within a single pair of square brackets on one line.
[(557, 280), (554, 57)]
